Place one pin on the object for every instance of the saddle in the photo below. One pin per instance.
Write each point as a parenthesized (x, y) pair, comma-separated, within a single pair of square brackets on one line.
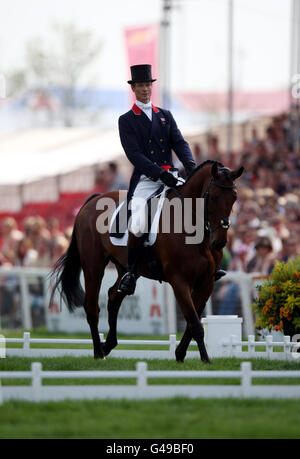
[(120, 218), (119, 230)]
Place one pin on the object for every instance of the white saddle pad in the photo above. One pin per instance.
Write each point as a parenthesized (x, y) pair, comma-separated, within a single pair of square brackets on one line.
[(154, 226)]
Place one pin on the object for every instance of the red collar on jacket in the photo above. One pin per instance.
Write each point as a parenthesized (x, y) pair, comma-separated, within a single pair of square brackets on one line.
[(137, 111)]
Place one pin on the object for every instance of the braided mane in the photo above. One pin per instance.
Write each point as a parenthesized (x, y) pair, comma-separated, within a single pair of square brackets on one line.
[(208, 161)]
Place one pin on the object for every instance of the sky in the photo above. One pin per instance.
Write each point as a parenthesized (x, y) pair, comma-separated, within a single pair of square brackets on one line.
[(198, 36)]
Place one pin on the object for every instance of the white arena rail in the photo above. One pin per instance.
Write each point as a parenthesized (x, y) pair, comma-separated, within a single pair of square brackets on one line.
[(142, 390), (246, 281), (28, 351), (286, 350)]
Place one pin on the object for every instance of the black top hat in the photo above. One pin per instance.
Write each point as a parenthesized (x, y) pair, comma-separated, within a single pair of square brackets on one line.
[(141, 74)]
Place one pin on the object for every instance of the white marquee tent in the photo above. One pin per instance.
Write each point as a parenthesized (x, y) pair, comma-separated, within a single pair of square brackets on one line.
[(33, 159)]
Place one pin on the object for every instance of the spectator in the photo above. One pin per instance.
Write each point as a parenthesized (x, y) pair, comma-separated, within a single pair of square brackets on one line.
[(264, 259), (11, 237), (26, 255), (60, 245), (53, 227), (290, 249), (43, 258), (115, 180)]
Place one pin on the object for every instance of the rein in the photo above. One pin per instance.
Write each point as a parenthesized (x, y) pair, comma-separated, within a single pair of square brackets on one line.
[(224, 221)]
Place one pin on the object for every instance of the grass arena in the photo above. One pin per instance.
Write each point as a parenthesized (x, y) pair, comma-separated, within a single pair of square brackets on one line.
[(177, 417)]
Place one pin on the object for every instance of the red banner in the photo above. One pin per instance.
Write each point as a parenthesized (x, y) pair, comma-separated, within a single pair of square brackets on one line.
[(142, 48)]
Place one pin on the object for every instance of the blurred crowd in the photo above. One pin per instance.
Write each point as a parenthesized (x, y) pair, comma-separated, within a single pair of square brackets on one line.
[(39, 242), (265, 219)]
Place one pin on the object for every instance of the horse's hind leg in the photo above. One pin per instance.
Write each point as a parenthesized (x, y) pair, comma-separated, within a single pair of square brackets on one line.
[(91, 306), (115, 299)]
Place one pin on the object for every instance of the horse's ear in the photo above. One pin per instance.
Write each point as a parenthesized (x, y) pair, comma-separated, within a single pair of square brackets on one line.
[(214, 170), (236, 174)]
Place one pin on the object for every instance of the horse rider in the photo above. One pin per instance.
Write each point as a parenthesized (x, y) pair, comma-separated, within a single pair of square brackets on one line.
[(148, 135)]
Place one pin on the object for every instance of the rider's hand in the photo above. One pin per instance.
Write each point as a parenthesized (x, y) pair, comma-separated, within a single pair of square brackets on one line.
[(168, 179)]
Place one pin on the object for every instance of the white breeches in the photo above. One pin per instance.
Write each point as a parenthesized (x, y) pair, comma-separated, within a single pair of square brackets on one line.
[(138, 223), (138, 205)]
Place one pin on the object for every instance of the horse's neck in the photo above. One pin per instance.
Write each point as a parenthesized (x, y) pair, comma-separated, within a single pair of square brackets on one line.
[(196, 185)]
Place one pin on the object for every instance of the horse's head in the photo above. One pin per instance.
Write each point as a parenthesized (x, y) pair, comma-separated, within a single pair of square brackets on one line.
[(220, 195)]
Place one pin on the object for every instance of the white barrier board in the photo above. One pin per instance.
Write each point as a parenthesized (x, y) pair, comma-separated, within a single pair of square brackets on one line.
[(145, 312)]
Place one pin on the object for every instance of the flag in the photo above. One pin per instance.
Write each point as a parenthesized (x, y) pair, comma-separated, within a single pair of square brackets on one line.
[(142, 48)]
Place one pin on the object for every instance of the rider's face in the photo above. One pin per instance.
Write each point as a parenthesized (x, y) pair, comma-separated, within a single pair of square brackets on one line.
[(142, 91)]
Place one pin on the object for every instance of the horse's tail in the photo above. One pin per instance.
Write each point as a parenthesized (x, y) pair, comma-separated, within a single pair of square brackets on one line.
[(66, 275)]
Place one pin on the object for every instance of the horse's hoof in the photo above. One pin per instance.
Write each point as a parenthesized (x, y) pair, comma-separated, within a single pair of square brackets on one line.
[(99, 354), (207, 361), (108, 347), (179, 357)]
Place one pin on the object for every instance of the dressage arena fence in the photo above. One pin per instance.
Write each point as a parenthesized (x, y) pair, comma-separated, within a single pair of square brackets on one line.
[(142, 390), (218, 345), (231, 347)]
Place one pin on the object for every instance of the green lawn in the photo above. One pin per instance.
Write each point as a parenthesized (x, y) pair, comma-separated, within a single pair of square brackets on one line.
[(177, 418)]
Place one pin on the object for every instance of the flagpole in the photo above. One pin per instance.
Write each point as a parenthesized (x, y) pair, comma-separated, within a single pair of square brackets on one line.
[(230, 79), (165, 55)]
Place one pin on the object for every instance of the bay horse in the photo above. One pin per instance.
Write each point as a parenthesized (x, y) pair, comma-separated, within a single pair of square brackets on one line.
[(190, 269)]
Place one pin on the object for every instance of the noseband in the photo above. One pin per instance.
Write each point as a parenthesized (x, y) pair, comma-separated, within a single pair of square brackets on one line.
[(224, 221)]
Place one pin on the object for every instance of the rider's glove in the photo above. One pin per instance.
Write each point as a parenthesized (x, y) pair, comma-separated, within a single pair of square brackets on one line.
[(168, 179)]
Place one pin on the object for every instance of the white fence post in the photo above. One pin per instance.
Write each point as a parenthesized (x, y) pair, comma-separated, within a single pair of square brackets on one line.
[(141, 368), (2, 347), (287, 347), (245, 289), (233, 343), (246, 379), (171, 308), (269, 346), (172, 346), (26, 344), (208, 307), (36, 369), (27, 322), (251, 345)]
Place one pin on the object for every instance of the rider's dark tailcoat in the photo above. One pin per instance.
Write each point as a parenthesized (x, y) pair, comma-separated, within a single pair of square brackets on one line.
[(148, 145)]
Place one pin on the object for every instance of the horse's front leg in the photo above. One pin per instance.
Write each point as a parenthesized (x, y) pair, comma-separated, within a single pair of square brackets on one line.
[(199, 298), (195, 330), (182, 347)]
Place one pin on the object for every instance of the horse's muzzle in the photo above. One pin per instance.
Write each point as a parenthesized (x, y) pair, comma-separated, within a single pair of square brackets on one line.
[(218, 244)]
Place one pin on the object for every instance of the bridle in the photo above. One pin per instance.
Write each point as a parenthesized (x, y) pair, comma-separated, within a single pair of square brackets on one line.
[(224, 221)]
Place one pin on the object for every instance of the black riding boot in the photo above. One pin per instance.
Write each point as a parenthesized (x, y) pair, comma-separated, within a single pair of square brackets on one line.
[(128, 281), (220, 273)]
